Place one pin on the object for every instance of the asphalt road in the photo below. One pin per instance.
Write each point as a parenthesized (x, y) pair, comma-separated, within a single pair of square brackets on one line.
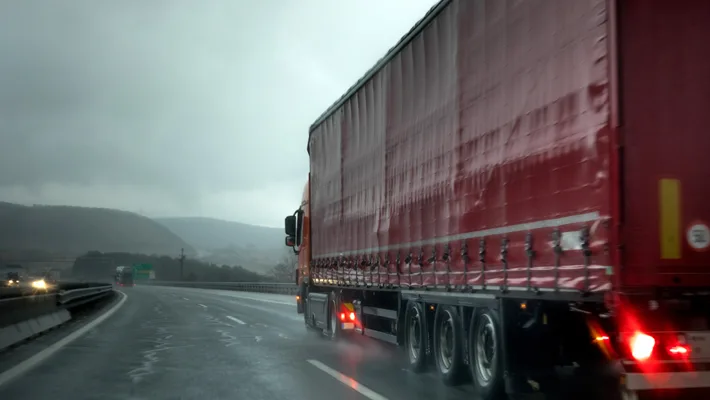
[(179, 343)]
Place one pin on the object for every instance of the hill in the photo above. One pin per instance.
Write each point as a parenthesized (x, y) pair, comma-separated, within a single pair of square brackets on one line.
[(71, 231), (256, 248), (209, 233)]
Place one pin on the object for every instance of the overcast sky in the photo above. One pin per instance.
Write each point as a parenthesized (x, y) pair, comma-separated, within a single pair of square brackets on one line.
[(177, 107)]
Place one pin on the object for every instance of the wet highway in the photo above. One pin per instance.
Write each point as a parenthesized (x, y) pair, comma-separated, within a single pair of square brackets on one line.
[(179, 343)]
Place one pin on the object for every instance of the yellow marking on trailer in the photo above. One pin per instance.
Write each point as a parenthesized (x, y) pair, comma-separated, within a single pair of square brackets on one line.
[(669, 218), (349, 306)]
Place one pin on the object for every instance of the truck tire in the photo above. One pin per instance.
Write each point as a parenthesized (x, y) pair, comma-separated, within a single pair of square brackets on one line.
[(334, 326), (485, 354), (448, 346), (416, 336)]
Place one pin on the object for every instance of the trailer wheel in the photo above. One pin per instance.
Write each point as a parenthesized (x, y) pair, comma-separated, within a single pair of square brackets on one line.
[(448, 346), (485, 354), (335, 327), (416, 336)]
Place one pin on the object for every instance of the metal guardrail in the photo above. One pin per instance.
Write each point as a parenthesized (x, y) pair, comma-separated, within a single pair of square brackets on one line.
[(25, 312), (20, 304), (258, 287), (74, 297)]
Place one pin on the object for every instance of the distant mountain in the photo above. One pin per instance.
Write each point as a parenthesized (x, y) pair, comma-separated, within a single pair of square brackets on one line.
[(209, 233), (70, 230), (256, 248)]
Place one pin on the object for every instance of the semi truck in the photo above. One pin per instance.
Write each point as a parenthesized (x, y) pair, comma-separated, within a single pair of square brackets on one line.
[(124, 276), (520, 188)]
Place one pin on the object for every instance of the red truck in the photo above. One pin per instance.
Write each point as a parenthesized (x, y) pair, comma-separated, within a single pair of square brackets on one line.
[(519, 187)]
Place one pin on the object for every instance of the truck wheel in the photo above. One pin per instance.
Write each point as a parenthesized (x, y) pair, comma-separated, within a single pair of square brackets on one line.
[(416, 335), (448, 346), (335, 327), (485, 355)]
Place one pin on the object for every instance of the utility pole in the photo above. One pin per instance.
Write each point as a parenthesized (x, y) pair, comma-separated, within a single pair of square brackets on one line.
[(182, 264)]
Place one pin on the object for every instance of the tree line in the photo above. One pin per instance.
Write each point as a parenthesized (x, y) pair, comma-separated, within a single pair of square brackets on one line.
[(100, 266)]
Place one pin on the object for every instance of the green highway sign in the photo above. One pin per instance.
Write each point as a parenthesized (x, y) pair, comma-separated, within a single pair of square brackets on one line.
[(143, 272)]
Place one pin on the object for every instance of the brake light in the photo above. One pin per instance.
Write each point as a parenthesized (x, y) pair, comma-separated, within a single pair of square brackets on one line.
[(680, 350), (342, 316), (352, 316), (641, 346)]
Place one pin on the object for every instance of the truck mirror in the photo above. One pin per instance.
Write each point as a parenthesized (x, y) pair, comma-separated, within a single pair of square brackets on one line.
[(290, 241), (290, 224)]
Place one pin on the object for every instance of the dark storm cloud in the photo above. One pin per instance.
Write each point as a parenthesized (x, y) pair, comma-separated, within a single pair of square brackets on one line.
[(203, 104)]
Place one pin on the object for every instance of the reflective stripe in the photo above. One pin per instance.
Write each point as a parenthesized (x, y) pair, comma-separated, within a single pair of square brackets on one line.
[(524, 227), (668, 380)]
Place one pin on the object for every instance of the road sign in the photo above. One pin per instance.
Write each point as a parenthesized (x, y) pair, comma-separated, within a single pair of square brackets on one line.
[(143, 272)]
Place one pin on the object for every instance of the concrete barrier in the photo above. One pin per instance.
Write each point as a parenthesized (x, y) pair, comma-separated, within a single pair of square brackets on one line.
[(28, 314)]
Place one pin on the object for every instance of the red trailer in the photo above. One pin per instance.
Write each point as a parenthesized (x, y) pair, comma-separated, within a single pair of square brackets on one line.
[(527, 178)]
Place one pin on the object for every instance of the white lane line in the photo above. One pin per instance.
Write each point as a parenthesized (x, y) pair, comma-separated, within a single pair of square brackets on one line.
[(43, 355), (202, 305), (266, 300), (186, 299), (348, 381), (237, 320)]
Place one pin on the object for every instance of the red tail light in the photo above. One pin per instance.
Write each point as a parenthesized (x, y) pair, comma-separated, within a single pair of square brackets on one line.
[(352, 316), (342, 316), (679, 350), (642, 346)]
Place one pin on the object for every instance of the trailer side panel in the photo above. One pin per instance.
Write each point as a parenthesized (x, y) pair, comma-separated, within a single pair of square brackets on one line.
[(482, 139)]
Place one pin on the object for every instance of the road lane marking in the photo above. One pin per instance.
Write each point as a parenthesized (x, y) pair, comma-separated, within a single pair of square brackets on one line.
[(237, 320), (238, 295), (202, 305), (186, 299), (348, 381), (43, 355)]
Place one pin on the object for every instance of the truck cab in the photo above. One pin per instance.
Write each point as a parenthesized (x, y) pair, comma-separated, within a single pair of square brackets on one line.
[(298, 238)]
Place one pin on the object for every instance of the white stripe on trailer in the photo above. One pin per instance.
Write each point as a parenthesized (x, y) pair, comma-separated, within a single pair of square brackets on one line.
[(668, 380), (525, 227)]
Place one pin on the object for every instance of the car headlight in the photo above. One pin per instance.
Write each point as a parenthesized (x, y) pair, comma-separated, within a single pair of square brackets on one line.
[(39, 284)]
